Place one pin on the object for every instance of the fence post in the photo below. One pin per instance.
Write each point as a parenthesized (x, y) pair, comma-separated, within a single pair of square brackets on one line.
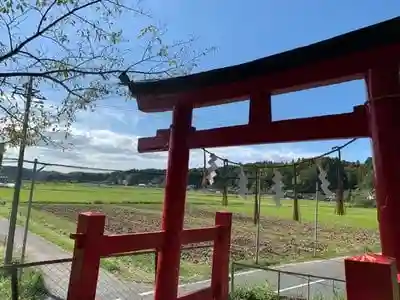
[(155, 263), (28, 213), (86, 258), (14, 282), (279, 284), (232, 277), (220, 265)]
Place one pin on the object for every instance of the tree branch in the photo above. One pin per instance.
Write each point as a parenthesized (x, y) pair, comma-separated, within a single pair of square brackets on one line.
[(43, 18), (39, 33), (79, 66), (9, 32), (47, 74)]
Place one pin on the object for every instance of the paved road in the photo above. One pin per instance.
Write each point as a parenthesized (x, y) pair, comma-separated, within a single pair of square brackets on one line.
[(111, 288), (289, 285), (57, 276), (292, 285)]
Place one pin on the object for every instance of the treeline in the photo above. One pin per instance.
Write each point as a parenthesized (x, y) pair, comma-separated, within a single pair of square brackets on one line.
[(355, 175)]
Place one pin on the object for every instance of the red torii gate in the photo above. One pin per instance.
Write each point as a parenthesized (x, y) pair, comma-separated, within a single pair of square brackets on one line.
[(371, 53)]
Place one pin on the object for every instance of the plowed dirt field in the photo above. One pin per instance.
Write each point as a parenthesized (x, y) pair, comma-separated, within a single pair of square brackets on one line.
[(280, 240)]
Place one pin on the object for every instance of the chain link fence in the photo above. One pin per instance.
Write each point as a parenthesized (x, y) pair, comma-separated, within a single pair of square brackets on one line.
[(284, 284), (59, 197), (49, 279), (35, 280)]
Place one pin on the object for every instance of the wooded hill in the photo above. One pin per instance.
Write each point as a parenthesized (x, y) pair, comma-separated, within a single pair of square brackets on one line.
[(355, 175)]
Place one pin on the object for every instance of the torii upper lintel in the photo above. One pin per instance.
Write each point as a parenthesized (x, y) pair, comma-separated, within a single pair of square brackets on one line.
[(341, 58)]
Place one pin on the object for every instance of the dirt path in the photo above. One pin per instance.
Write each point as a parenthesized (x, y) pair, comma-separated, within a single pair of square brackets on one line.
[(57, 275)]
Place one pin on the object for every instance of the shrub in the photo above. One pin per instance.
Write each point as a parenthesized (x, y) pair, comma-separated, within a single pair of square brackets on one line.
[(264, 292), (31, 286), (360, 198), (253, 293)]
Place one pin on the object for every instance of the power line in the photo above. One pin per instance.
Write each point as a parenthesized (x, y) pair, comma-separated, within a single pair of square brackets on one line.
[(65, 165), (334, 150), (306, 160), (80, 167)]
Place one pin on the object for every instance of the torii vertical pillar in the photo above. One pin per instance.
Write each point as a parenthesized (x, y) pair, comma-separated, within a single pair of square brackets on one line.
[(384, 109), (371, 277), (174, 204)]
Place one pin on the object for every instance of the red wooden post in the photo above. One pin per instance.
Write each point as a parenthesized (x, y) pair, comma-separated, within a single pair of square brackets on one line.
[(86, 258), (167, 277), (220, 265), (260, 111), (371, 277), (384, 120)]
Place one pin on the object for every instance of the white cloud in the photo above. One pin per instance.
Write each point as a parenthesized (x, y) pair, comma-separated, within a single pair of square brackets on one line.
[(101, 148), (107, 138)]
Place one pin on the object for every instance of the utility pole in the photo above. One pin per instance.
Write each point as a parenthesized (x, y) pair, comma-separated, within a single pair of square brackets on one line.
[(2, 150), (18, 179)]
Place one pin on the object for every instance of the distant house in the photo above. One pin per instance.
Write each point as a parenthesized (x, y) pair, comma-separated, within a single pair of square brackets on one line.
[(3, 179), (4, 182)]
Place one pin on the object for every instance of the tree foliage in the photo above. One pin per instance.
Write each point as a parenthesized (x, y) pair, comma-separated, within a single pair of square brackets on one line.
[(74, 50), (356, 176)]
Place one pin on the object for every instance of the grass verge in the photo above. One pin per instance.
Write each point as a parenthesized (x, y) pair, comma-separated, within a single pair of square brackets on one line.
[(31, 284), (265, 292), (139, 268)]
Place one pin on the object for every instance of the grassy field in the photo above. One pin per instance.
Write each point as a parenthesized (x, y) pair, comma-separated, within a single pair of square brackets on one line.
[(93, 194), (130, 209)]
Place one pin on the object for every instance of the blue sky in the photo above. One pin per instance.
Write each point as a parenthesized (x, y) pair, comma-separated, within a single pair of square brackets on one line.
[(240, 31)]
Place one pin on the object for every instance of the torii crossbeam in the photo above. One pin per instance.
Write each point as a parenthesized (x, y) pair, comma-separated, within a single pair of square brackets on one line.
[(371, 53)]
